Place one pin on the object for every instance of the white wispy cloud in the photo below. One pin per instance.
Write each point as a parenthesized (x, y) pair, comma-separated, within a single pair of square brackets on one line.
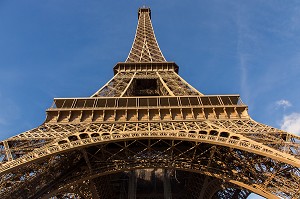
[(291, 123), (2, 113), (9, 110), (283, 103), (2, 121), (242, 53), (254, 39)]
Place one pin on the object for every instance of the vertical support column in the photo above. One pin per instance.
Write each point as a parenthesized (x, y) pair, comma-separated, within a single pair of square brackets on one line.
[(167, 185), (92, 186), (132, 185), (7, 151), (93, 190), (122, 191), (204, 186)]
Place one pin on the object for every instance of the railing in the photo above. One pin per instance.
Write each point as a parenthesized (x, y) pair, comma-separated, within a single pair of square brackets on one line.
[(150, 101)]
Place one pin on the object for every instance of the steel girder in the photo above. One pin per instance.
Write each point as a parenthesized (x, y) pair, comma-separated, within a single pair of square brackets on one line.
[(253, 171)]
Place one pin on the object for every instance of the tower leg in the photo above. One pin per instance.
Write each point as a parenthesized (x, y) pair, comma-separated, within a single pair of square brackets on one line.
[(167, 185), (132, 185)]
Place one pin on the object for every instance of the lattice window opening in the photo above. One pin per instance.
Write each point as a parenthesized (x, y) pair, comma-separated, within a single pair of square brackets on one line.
[(3, 157), (155, 127), (203, 125), (93, 128), (179, 125), (118, 127), (167, 126), (67, 196), (130, 127), (191, 126), (144, 87), (143, 127), (28, 176), (231, 193)]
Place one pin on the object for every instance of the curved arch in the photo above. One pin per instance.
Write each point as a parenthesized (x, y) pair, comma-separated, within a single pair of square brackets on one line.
[(242, 143), (215, 186), (79, 179)]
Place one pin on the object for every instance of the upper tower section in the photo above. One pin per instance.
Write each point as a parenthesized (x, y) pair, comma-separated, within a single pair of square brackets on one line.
[(145, 71), (145, 47)]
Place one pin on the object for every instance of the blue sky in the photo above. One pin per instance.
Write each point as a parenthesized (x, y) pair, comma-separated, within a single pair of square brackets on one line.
[(64, 48)]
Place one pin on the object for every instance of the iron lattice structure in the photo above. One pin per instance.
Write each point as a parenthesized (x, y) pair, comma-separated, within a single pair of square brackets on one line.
[(147, 133)]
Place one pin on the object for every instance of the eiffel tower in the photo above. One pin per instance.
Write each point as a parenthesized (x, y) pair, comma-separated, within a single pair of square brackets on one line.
[(147, 134)]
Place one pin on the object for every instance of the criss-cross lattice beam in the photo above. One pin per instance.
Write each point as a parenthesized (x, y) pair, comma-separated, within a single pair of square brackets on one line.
[(209, 160), (145, 47)]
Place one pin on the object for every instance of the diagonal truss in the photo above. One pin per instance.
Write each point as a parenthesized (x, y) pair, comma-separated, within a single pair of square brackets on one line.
[(147, 119)]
